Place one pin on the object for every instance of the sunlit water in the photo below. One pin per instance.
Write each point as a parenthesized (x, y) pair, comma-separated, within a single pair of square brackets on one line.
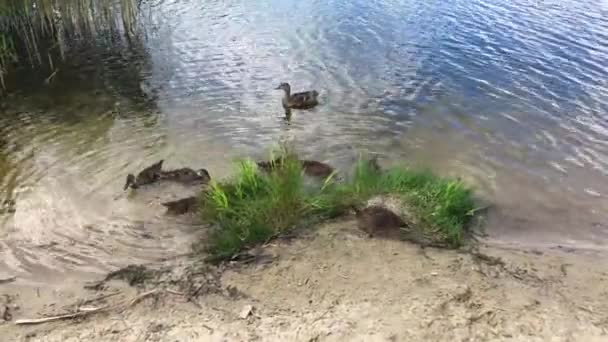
[(509, 95)]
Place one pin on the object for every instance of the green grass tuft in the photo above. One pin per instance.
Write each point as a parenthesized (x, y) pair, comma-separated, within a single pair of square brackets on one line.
[(254, 206)]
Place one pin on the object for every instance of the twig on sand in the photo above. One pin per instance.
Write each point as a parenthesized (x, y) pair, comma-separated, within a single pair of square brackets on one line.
[(342, 275), (120, 306), (50, 78), (7, 280), (56, 318), (175, 292), (96, 299)]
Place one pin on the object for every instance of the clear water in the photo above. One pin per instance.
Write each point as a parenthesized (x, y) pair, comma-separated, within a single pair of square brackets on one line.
[(509, 95)]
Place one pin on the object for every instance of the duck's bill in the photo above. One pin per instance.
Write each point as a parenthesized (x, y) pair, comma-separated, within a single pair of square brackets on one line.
[(277, 88)]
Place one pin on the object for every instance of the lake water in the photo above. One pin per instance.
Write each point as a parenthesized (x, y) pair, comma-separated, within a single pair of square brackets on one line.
[(512, 96)]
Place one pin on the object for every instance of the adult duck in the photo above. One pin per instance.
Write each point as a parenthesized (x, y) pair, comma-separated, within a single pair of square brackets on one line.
[(303, 100)]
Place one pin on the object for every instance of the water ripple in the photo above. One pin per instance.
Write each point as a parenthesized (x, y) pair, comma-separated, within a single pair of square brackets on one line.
[(509, 95)]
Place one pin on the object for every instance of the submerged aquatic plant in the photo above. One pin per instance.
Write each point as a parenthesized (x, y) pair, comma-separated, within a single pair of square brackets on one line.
[(30, 29)]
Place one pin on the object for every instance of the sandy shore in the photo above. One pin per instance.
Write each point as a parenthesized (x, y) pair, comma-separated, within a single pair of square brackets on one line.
[(335, 285)]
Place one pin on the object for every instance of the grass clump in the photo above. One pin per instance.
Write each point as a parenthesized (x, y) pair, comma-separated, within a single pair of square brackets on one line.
[(255, 206)]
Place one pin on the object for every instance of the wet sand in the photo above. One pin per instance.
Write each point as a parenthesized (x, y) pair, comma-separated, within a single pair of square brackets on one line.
[(335, 285)]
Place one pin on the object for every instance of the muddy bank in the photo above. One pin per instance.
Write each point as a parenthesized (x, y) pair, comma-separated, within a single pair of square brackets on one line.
[(335, 285)]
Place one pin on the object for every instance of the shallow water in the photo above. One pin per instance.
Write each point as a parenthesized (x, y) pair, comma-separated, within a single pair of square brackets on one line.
[(509, 95)]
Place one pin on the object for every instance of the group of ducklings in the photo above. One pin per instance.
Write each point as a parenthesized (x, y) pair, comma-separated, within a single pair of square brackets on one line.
[(375, 220), (187, 176), (155, 173)]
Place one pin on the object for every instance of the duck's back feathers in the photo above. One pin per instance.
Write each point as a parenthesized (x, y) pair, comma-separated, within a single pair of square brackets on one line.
[(154, 173), (316, 169), (379, 221), (147, 176), (303, 100), (182, 206), (311, 168), (186, 175)]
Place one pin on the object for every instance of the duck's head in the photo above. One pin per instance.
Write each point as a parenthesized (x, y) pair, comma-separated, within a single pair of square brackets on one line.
[(130, 182), (204, 174), (284, 86)]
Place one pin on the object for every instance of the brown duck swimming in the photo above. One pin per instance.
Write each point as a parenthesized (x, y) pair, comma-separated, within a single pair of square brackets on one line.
[(154, 173), (148, 175), (311, 167), (379, 221), (303, 100), (182, 206)]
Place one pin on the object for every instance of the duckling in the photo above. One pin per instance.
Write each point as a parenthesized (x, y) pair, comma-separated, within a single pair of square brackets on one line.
[(316, 169), (182, 206), (374, 165), (311, 168), (268, 165), (303, 100), (379, 221), (186, 175), (147, 176)]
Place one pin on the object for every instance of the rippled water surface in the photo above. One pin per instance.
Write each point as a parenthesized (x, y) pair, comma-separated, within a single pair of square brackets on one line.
[(509, 95)]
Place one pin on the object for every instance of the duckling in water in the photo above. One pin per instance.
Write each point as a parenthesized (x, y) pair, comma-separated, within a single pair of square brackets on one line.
[(186, 175), (311, 168), (303, 100), (379, 221), (182, 206), (147, 176), (373, 164), (154, 173), (316, 169)]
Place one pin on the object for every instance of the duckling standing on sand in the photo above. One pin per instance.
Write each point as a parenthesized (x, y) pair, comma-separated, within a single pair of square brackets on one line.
[(303, 100), (147, 176), (379, 221)]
